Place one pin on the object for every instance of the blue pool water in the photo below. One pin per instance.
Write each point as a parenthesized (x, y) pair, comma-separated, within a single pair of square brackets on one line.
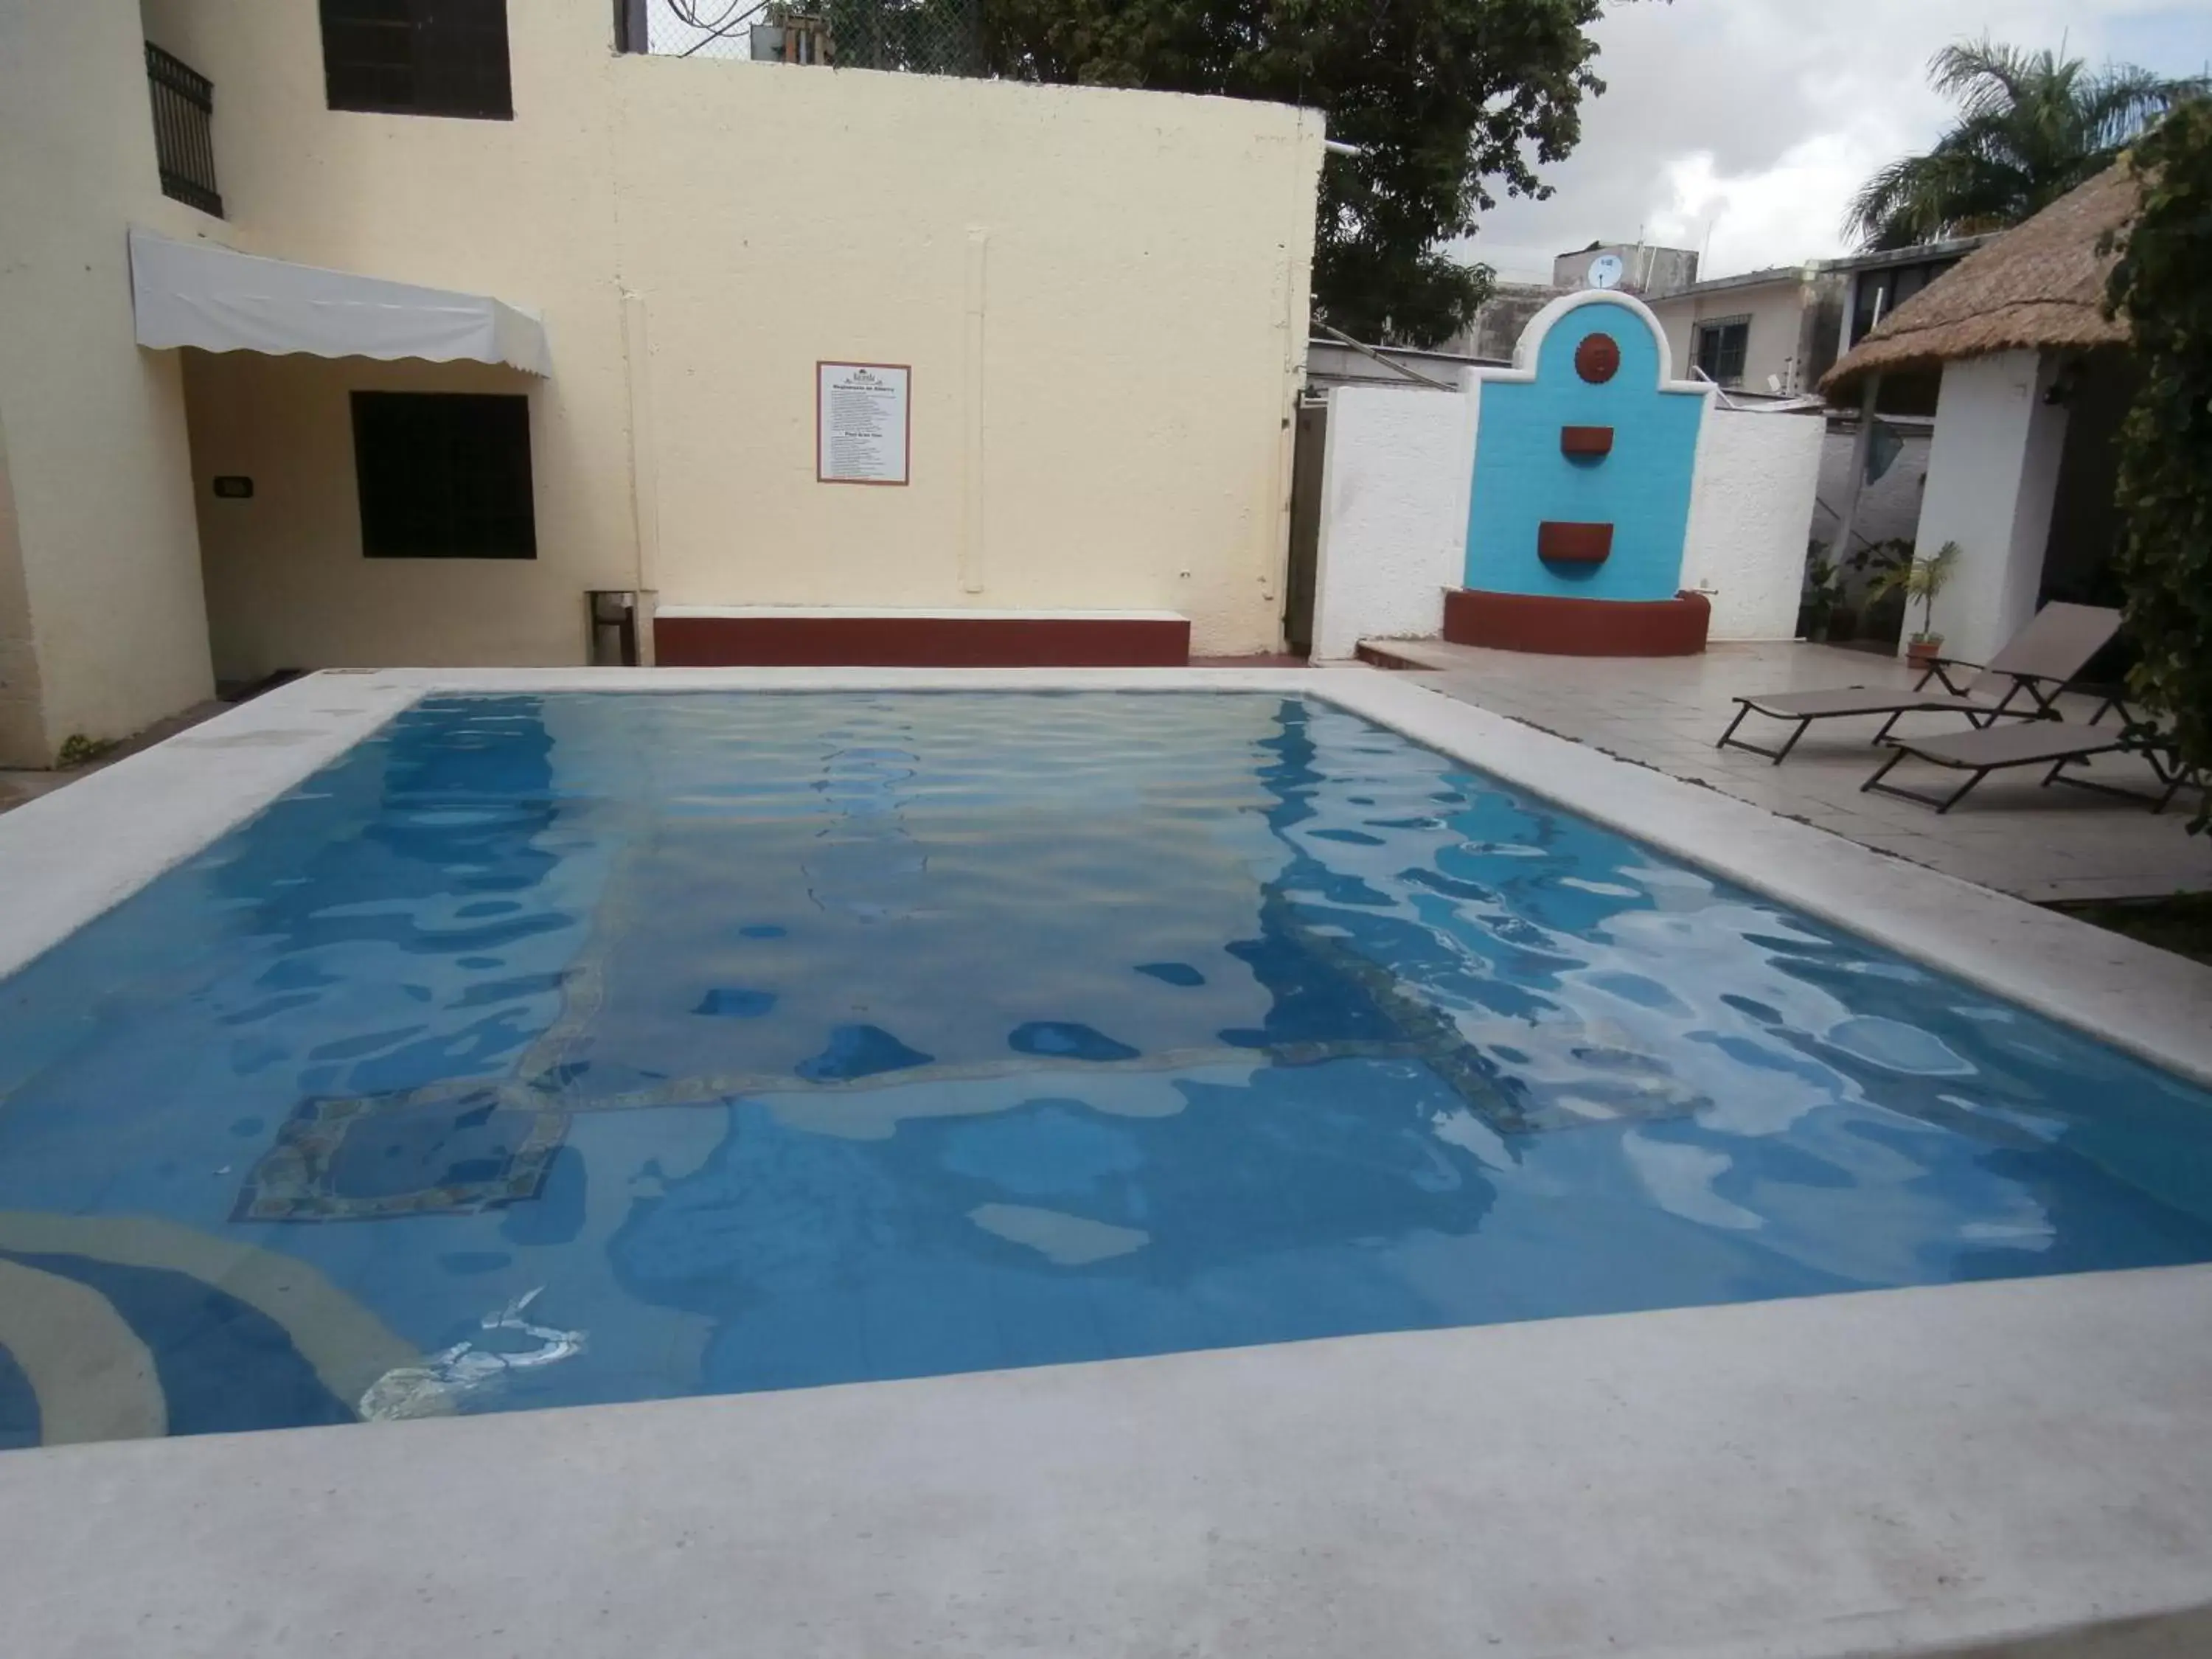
[(546, 1050)]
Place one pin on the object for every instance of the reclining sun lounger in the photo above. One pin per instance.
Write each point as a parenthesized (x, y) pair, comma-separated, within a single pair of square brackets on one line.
[(2036, 742), (2057, 644)]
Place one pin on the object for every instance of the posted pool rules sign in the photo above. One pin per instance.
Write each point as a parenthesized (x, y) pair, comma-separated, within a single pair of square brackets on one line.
[(863, 430)]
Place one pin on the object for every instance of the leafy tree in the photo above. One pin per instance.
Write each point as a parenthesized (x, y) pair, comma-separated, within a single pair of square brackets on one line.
[(1448, 101), (2161, 285), (2031, 126)]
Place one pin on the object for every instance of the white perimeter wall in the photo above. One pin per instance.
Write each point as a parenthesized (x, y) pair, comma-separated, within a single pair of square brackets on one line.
[(1394, 500), (1889, 508), (1395, 486), (1992, 475), (1751, 511)]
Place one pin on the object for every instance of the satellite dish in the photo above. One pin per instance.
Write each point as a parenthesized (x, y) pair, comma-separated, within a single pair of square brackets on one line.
[(1605, 271)]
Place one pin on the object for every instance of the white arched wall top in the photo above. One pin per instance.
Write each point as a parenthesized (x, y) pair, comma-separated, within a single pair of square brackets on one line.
[(1397, 477), (1639, 492), (1529, 350)]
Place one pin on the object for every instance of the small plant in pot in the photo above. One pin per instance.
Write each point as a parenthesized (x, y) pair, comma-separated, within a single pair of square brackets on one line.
[(1920, 582), (1817, 602)]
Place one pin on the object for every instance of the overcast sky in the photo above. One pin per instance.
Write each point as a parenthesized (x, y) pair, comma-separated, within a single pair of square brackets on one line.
[(1742, 127)]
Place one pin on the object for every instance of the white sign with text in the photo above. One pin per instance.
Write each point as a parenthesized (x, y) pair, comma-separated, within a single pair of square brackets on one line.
[(861, 416)]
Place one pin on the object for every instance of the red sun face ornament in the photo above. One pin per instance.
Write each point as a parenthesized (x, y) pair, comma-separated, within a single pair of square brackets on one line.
[(1597, 359)]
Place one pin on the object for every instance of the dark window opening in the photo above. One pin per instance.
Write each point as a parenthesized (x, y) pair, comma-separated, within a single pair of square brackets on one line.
[(631, 31), (443, 475), (418, 58), (1721, 347), (1881, 292)]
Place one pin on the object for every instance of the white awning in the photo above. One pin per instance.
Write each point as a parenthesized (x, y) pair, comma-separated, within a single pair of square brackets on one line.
[(189, 293)]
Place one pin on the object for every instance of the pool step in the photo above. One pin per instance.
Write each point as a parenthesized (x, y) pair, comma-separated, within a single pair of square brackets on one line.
[(1384, 653)]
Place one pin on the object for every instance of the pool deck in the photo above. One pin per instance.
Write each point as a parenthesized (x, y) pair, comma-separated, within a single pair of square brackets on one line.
[(2047, 845), (1900, 1473), (1945, 1470)]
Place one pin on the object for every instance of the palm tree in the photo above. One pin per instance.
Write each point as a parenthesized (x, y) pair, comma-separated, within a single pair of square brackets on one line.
[(2032, 126)]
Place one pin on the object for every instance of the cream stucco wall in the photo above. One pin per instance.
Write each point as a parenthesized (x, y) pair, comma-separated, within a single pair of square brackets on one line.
[(1102, 294), (523, 209), (22, 711), (102, 626), (287, 585)]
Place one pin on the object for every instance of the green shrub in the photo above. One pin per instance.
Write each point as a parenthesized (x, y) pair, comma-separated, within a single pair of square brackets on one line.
[(2163, 285), (78, 750)]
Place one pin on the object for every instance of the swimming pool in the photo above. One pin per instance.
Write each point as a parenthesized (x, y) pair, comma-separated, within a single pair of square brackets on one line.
[(586, 1046)]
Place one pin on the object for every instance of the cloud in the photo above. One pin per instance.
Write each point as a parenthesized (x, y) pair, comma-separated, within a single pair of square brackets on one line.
[(1741, 223), (1748, 124)]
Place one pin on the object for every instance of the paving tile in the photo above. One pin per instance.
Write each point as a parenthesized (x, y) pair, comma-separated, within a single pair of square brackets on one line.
[(2009, 834)]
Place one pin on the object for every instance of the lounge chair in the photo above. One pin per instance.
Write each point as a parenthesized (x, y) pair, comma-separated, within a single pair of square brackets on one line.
[(2036, 742), (2057, 644)]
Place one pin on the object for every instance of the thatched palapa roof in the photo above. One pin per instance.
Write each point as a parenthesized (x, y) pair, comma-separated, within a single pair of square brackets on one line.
[(2039, 287)]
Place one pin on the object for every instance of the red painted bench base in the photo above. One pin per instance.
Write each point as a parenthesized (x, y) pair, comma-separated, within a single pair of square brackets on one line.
[(1578, 628), (892, 640)]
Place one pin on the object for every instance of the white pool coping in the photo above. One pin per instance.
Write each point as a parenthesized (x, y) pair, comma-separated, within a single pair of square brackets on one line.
[(1929, 1470)]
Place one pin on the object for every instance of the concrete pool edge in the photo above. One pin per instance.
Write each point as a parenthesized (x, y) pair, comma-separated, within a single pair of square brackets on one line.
[(1929, 1471), (1917, 1471), (2150, 1002), (72, 854)]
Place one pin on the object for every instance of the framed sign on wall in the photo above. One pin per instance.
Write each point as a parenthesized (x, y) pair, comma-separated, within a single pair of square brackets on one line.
[(864, 431)]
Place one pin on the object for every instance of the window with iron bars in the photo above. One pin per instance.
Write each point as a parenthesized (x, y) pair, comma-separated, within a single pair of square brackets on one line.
[(184, 131), (920, 37)]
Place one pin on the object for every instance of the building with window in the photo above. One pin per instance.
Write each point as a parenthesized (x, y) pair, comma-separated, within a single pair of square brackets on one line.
[(1765, 331), (1778, 332), (386, 332)]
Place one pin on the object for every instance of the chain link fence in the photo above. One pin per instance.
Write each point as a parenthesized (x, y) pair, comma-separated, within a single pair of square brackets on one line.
[(920, 37)]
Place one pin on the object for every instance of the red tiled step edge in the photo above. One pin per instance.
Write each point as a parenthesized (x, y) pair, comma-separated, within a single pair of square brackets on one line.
[(1578, 628), (766, 638)]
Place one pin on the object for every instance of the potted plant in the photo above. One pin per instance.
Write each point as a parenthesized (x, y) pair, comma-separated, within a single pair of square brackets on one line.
[(1818, 599), (1882, 606), (1922, 580)]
